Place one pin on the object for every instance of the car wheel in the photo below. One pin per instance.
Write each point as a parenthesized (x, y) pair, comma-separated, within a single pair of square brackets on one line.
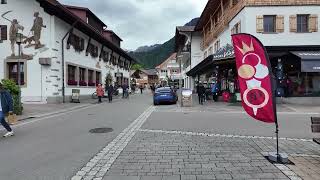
[(155, 103)]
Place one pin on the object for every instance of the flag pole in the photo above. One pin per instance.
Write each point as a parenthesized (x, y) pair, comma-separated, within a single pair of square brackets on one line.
[(276, 116)]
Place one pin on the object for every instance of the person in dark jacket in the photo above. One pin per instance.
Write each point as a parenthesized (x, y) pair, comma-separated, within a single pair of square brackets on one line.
[(110, 92), (201, 93), (6, 107)]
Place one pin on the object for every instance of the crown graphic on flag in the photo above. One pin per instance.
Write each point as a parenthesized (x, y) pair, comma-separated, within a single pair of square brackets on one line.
[(245, 48)]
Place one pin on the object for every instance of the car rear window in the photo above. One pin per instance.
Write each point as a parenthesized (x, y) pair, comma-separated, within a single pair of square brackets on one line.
[(163, 91)]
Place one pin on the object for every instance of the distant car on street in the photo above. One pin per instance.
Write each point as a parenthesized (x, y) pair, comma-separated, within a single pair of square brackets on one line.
[(165, 95)]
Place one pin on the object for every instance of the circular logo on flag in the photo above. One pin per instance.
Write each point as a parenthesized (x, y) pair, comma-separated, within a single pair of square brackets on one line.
[(256, 97)]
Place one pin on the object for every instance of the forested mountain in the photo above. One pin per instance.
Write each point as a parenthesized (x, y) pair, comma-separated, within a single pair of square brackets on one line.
[(151, 56)]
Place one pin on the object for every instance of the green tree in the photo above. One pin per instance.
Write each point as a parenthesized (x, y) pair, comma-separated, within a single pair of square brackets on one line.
[(14, 90), (108, 80), (136, 67)]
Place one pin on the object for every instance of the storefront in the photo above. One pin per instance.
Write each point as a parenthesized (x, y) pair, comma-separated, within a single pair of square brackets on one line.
[(218, 74), (297, 72)]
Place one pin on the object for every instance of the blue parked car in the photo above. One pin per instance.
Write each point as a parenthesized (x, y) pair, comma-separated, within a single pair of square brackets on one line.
[(165, 95)]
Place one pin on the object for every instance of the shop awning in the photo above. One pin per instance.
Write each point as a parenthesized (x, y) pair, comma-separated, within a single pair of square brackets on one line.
[(224, 53), (310, 60)]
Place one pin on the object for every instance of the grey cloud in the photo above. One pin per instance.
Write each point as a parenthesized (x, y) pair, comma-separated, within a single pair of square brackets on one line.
[(143, 22)]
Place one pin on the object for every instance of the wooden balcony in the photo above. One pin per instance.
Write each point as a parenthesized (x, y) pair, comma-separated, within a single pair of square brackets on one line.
[(222, 24)]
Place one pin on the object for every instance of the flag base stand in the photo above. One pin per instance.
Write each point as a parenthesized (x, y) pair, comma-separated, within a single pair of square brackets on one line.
[(281, 158)]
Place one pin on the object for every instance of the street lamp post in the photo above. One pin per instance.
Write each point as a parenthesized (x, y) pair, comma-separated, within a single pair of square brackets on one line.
[(19, 39), (180, 78)]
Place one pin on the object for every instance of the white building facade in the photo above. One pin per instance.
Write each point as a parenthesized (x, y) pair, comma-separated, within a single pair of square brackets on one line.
[(287, 29), (54, 38)]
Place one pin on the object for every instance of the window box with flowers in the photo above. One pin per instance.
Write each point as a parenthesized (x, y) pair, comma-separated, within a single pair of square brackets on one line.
[(72, 83), (91, 83), (83, 83)]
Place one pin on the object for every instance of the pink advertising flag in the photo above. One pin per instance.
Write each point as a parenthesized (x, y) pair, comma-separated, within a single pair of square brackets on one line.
[(255, 80)]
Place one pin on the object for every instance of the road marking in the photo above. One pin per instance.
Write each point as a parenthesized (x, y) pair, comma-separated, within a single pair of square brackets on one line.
[(232, 112), (99, 165), (291, 108), (221, 135), (51, 116)]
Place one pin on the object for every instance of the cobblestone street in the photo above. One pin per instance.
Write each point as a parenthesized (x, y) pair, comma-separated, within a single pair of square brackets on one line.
[(166, 148)]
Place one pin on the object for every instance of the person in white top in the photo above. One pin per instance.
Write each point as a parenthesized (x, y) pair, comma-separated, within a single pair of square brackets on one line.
[(6, 107)]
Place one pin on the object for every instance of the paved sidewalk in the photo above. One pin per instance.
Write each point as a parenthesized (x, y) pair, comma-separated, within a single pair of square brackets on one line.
[(41, 110), (211, 105)]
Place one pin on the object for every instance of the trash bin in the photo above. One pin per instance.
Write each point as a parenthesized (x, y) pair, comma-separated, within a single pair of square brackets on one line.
[(186, 97)]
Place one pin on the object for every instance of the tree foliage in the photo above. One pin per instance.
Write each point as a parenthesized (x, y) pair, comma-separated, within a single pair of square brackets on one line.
[(14, 90)]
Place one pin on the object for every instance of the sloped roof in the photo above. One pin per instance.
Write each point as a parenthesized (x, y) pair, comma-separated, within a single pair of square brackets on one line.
[(164, 63), (149, 72), (53, 7), (88, 11), (185, 28)]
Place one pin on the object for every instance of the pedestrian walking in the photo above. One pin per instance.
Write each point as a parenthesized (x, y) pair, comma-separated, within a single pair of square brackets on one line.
[(141, 89), (6, 107), (125, 93), (110, 92), (152, 87), (201, 90), (100, 92)]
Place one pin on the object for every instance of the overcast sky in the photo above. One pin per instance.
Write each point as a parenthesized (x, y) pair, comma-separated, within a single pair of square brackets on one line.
[(143, 22)]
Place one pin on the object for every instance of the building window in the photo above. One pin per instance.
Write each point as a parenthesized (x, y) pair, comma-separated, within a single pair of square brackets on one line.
[(216, 46), (302, 23), (236, 28), (205, 54), (93, 50), (72, 75), (98, 77), (210, 50), (3, 1), (13, 72), (3, 32), (269, 23), (91, 81), (82, 77), (75, 41)]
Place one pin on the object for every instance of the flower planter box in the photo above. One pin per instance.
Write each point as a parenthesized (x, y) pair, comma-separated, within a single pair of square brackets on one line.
[(83, 83), (72, 83), (91, 84)]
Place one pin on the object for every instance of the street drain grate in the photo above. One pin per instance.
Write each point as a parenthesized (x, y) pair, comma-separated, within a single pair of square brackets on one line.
[(101, 130)]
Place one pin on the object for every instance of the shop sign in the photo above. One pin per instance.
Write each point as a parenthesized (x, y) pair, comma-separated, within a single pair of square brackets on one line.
[(224, 52)]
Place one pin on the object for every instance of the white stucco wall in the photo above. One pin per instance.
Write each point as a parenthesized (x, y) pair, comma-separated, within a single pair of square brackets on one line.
[(79, 58), (43, 82), (286, 38), (196, 53), (248, 25), (23, 11)]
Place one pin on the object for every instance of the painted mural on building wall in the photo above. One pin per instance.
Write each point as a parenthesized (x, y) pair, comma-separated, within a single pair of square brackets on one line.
[(31, 39)]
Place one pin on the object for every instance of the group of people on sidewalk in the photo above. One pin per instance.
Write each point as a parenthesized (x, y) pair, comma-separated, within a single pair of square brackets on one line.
[(110, 89), (203, 93)]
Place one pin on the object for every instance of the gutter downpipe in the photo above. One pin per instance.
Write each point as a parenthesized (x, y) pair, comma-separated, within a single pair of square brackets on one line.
[(63, 62)]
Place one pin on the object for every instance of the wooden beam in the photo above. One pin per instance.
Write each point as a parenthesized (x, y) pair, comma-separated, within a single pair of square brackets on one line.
[(211, 23), (87, 53), (221, 4)]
